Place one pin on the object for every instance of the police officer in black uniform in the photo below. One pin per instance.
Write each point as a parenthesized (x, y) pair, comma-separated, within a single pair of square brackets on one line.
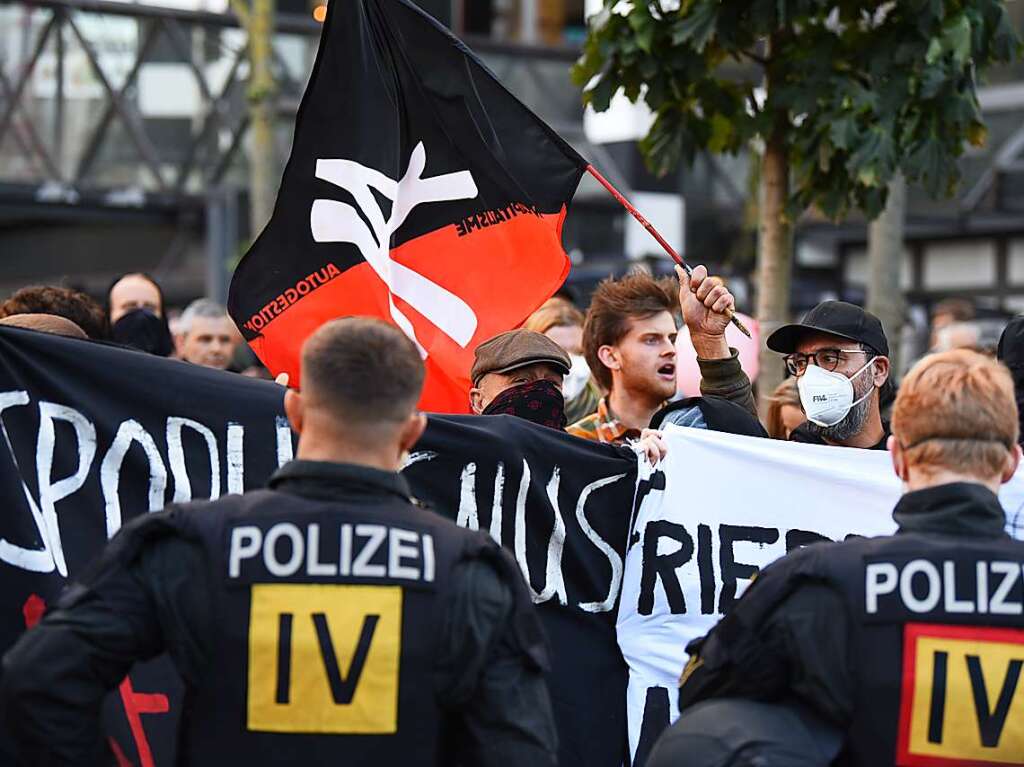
[(323, 620), (911, 645)]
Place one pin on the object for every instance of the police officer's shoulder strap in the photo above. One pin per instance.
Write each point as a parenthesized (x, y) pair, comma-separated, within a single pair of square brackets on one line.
[(526, 629), (122, 550), (738, 640), (142, 530), (777, 581), (189, 519), (174, 520)]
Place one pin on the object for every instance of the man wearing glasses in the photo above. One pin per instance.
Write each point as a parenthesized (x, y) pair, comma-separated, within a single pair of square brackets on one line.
[(839, 356)]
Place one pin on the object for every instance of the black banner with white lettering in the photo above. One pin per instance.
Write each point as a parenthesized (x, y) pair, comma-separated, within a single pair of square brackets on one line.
[(93, 435), (562, 506)]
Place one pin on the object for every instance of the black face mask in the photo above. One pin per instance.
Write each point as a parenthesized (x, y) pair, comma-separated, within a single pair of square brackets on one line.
[(143, 330), (540, 402)]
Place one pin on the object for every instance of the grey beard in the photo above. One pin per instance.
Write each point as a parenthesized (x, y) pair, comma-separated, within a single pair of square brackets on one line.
[(848, 427)]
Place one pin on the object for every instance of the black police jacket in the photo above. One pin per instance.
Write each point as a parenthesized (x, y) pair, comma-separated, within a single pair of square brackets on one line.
[(913, 644), (323, 620)]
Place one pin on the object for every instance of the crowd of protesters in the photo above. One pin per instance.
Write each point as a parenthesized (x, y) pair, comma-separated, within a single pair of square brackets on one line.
[(605, 373), (610, 375), (134, 314), (619, 370)]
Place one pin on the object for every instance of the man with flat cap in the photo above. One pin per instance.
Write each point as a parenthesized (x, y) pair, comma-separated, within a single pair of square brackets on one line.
[(520, 373), (840, 357)]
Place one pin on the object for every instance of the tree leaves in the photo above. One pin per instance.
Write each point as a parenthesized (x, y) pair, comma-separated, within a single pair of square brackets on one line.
[(927, 164), (1004, 44), (863, 88), (957, 39), (643, 26), (843, 132), (600, 95), (697, 27)]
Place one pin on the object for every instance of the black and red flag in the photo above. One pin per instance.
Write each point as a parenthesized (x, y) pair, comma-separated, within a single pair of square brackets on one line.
[(418, 190)]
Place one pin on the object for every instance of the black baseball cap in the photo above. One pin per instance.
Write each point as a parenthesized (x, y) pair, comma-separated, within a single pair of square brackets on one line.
[(836, 318), (1011, 345)]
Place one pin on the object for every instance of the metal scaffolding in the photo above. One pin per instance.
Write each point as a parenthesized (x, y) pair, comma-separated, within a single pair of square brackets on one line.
[(120, 108)]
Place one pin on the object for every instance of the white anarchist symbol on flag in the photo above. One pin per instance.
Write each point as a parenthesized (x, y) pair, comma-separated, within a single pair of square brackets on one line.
[(334, 221)]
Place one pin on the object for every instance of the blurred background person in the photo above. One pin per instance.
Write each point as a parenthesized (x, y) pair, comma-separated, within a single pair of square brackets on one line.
[(206, 335), (957, 335), (562, 322), (135, 290), (70, 304), (706, 305), (694, 374), (135, 311), (949, 311), (784, 411)]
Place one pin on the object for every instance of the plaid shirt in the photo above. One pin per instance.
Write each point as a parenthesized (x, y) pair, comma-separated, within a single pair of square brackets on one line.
[(603, 426)]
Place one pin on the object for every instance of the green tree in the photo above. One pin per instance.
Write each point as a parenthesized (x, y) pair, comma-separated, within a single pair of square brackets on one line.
[(257, 18), (836, 96)]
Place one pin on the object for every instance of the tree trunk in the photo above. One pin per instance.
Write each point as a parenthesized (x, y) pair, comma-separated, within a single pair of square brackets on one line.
[(774, 260), (263, 174), (885, 262)]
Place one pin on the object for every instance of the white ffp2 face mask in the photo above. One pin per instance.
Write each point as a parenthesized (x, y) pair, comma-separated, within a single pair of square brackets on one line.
[(828, 396)]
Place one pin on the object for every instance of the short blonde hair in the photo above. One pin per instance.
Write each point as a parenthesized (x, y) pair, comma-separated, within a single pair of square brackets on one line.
[(554, 313), (956, 410)]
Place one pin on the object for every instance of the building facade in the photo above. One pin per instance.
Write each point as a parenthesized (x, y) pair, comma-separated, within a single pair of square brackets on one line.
[(123, 146)]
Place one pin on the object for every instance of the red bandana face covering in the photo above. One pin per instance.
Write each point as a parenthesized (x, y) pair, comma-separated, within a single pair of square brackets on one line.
[(539, 402)]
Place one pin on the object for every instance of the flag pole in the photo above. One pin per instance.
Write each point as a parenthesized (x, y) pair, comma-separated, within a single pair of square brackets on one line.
[(656, 235)]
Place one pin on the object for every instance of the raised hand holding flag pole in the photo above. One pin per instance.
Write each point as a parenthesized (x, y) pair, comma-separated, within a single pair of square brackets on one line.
[(654, 233)]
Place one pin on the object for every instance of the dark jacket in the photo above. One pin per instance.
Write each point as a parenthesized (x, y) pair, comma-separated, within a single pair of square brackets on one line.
[(725, 378), (151, 593), (807, 629), (711, 413)]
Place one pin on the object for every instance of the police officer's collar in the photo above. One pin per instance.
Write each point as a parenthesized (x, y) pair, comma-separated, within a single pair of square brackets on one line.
[(325, 479), (966, 508)]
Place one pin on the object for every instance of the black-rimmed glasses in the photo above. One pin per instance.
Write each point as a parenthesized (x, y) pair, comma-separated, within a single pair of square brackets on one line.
[(826, 359)]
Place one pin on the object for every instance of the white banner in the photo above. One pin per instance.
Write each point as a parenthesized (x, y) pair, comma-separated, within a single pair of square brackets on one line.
[(724, 507)]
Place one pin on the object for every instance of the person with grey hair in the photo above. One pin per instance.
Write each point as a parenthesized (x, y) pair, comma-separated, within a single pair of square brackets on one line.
[(206, 335)]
